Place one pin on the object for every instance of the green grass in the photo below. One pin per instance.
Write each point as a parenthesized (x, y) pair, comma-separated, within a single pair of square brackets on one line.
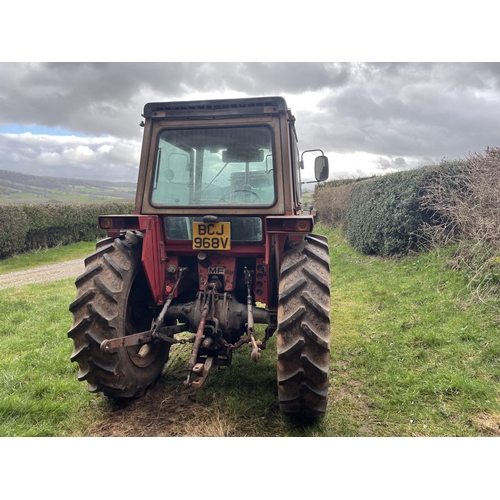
[(45, 257), (39, 392), (411, 356)]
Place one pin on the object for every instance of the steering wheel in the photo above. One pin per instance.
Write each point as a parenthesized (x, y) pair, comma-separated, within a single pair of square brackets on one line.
[(253, 193)]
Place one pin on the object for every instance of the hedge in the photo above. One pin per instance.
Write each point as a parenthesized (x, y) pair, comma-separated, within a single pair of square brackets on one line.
[(331, 205), (31, 227), (384, 214), (14, 225)]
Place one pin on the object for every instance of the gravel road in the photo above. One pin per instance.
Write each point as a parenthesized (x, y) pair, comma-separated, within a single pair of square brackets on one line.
[(43, 274)]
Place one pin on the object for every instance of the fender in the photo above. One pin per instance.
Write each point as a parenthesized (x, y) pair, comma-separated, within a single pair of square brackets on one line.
[(154, 257)]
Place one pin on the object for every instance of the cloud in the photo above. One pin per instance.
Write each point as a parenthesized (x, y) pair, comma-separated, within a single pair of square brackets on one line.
[(102, 98), (414, 111), (107, 158)]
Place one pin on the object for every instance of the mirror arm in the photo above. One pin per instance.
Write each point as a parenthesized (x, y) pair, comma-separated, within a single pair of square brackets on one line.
[(309, 151), (301, 161)]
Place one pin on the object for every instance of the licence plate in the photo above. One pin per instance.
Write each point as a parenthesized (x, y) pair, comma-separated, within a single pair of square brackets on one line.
[(212, 235)]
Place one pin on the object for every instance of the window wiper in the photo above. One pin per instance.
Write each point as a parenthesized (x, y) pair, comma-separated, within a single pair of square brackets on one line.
[(157, 168), (220, 172)]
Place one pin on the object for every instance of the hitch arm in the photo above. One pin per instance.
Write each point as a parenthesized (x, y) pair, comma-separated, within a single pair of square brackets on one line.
[(250, 320), (110, 345), (161, 317), (166, 334), (197, 342)]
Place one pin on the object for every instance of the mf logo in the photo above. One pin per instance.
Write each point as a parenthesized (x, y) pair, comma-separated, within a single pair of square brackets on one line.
[(216, 270)]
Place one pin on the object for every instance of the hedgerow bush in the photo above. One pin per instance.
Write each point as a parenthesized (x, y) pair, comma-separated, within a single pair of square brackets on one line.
[(32, 227), (330, 201), (13, 228), (466, 207), (52, 225), (384, 214), (465, 200), (331, 205), (340, 182)]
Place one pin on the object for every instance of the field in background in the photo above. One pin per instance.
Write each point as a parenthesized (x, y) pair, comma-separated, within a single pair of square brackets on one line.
[(22, 188)]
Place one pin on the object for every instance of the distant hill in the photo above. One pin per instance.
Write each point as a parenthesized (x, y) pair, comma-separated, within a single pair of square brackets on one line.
[(22, 188)]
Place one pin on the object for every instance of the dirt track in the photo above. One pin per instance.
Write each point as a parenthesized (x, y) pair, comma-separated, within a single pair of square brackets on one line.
[(43, 274)]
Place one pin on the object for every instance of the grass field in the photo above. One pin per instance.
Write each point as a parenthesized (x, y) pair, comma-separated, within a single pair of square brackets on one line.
[(16, 187), (411, 356)]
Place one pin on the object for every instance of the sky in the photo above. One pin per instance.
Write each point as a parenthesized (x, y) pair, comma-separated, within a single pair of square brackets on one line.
[(81, 119)]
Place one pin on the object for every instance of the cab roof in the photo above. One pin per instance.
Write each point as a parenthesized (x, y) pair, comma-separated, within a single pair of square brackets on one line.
[(215, 108)]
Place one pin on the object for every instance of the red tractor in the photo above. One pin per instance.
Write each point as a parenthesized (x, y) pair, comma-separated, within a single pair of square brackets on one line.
[(218, 242)]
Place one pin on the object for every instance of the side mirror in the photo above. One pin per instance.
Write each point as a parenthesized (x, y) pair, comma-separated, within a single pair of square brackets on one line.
[(321, 170)]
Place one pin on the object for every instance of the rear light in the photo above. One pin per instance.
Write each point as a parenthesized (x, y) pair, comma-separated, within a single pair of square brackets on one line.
[(290, 224), (303, 225), (106, 223), (118, 222)]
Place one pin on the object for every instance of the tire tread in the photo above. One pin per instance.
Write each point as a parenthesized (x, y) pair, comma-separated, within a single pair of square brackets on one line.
[(304, 329)]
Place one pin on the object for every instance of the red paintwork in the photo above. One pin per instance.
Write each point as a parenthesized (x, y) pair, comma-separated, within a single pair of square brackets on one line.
[(228, 263), (261, 281), (153, 255), (238, 250), (158, 256)]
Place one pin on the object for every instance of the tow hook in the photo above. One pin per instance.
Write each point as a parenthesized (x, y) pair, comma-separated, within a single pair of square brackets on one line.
[(201, 370)]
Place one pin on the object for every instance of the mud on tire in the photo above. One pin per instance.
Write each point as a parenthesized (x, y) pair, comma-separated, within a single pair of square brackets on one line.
[(303, 338), (113, 300)]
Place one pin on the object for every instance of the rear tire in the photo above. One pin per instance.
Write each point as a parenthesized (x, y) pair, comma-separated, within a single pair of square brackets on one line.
[(303, 338), (113, 300)]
